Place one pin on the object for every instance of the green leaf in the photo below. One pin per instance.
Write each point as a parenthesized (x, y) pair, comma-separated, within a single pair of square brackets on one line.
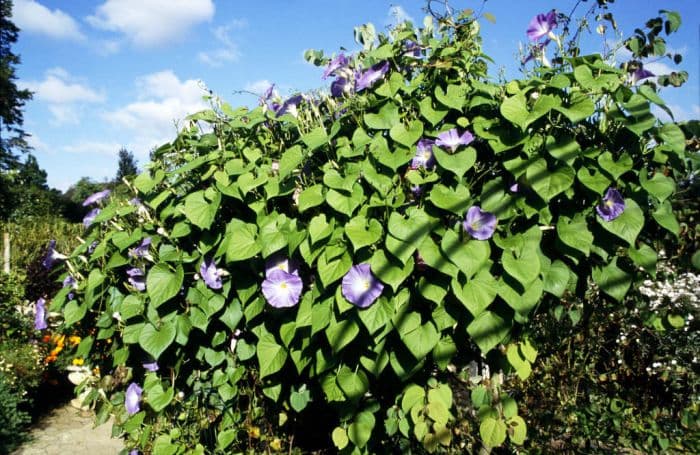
[(363, 233), (458, 163), (331, 270), (580, 110), (387, 117), (488, 330), (612, 280), (454, 97), (673, 136), (615, 168), (434, 116), (455, 201), (156, 340), (556, 278), (378, 315), (271, 356), (575, 234), (319, 228), (199, 210), (549, 183), (389, 270), (354, 384), (659, 186), (644, 257), (628, 225), (492, 431), (525, 268), (310, 197), (162, 283), (518, 430), (521, 300), (340, 438), (345, 204), (315, 138), (241, 240), (360, 430), (225, 438), (298, 399), (341, 333), (596, 181), (564, 148), (290, 159), (478, 293), (666, 218), (407, 135), (469, 257)]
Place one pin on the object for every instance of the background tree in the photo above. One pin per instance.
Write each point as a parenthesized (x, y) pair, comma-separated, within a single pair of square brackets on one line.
[(127, 166), (12, 136)]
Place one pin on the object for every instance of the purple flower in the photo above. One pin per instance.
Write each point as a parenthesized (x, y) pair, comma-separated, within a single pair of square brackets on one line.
[(96, 197), (141, 251), (514, 188), (416, 190), (151, 366), (640, 73), (537, 51), (280, 262), (134, 452), (69, 281), (340, 61), (452, 139), (210, 274), (339, 87), (412, 49), (612, 205), (90, 217), (479, 223), (424, 155), (51, 255), (132, 399), (289, 106), (360, 287), (40, 315), (137, 278), (282, 289), (541, 25), (371, 76)]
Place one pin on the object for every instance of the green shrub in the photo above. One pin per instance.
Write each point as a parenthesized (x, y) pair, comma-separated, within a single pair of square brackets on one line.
[(13, 418), (386, 198)]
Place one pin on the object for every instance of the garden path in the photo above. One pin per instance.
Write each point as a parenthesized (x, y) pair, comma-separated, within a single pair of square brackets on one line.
[(67, 430)]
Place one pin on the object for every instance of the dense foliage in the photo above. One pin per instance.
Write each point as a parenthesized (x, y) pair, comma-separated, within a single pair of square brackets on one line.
[(343, 268)]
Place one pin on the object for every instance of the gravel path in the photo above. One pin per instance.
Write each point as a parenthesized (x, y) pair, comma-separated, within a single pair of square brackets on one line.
[(67, 430)]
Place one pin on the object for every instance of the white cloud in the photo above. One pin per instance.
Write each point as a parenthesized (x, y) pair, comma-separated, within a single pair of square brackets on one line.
[(151, 23), (33, 17), (36, 143), (258, 87), (228, 50), (93, 147), (63, 94), (163, 100), (398, 15)]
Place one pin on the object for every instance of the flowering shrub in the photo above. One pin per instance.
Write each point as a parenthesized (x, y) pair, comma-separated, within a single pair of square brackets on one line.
[(347, 255)]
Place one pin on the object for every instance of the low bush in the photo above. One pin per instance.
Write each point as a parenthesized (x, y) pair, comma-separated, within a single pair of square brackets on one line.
[(342, 270)]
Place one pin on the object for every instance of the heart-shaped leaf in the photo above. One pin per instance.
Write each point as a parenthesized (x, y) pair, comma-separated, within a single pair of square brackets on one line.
[(156, 341), (407, 135), (362, 232)]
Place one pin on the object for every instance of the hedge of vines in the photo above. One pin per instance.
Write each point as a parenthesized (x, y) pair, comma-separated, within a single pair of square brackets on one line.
[(335, 260)]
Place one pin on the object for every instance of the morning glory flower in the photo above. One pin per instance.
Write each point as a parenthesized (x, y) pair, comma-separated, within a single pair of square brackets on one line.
[(282, 289), (280, 262), (96, 197), (339, 87), (360, 287), (210, 274), (480, 224), (90, 217), (340, 61), (451, 139), (132, 399), (151, 366), (612, 205), (40, 315), (514, 188), (52, 255), (69, 281), (142, 250), (424, 155), (412, 48), (289, 106), (371, 76), (137, 278), (541, 25), (640, 73)]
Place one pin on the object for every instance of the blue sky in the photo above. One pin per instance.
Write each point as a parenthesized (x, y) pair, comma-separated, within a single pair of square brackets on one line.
[(113, 73)]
